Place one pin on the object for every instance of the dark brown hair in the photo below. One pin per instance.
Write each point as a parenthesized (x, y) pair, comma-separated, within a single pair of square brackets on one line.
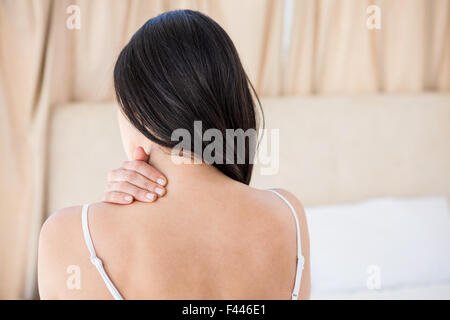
[(181, 67)]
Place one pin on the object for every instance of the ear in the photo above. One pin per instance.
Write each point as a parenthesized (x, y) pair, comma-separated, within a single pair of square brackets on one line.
[(140, 154)]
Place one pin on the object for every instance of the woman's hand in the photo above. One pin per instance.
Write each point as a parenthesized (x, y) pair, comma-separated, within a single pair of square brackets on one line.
[(135, 180)]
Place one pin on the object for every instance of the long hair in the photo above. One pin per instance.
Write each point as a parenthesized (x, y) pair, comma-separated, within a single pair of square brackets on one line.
[(181, 67)]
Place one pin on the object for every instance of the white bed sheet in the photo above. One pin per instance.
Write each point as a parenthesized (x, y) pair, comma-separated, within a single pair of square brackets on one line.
[(400, 245), (436, 292)]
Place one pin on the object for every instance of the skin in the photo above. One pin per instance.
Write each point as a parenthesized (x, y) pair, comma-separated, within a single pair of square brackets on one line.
[(135, 180), (208, 237)]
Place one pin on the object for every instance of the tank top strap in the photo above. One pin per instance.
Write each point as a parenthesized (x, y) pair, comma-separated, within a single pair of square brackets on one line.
[(300, 258), (96, 261)]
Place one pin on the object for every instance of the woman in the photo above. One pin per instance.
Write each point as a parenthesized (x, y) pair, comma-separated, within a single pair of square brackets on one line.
[(211, 236)]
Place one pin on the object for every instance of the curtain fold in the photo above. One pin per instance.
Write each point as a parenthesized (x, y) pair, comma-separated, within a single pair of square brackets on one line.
[(23, 33), (330, 50), (43, 63), (333, 51)]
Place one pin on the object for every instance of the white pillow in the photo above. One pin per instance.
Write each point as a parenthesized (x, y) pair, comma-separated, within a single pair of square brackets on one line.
[(388, 242)]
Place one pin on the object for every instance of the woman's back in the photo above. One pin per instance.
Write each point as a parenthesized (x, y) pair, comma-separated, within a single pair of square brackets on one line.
[(180, 85), (203, 241)]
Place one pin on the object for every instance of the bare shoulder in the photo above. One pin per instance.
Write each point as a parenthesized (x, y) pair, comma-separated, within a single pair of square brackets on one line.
[(59, 228), (64, 267), (305, 287), (275, 203), (63, 229), (58, 235), (294, 201), (58, 220)]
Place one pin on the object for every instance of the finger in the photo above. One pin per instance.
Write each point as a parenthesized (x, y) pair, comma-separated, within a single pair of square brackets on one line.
[(146, 170), (136, 179), (139, 154), (117, 197), (130, 189)]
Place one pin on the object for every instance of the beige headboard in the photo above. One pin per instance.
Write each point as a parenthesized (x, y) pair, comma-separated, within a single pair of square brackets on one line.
[(332, 149), (342, 149)]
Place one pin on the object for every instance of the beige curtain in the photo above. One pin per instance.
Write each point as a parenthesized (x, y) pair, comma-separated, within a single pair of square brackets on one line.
[(332, 50), (43, 64)]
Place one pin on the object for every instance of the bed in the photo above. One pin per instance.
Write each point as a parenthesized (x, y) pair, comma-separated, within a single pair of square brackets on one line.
[(352, 160)]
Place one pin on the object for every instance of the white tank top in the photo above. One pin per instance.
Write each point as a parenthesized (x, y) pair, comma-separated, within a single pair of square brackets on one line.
[(97, 262)]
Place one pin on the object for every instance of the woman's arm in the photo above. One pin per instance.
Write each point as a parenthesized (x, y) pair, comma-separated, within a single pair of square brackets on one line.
[(135, 180)]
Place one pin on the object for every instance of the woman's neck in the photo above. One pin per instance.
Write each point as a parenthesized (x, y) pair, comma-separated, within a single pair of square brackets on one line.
[(183, 174)]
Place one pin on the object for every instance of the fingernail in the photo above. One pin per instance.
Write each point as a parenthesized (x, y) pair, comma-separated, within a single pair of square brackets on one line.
[(150, 196), (161, 181), (159, 191), (128, 198)]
